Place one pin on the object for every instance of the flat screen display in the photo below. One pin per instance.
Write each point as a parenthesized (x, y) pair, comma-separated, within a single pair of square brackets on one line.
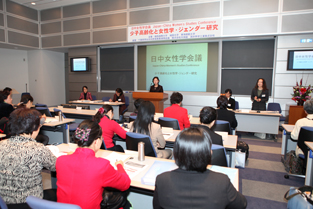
[(80, 64), (300, 60)]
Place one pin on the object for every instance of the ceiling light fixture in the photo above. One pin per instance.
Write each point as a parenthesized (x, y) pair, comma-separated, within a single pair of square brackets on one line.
[(33, 3)]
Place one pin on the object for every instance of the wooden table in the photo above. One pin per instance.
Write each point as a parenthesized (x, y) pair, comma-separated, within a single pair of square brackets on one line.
[(286, 138), (60, 126)]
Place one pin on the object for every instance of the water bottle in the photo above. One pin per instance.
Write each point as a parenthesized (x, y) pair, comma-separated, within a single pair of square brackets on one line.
[(141, 151)]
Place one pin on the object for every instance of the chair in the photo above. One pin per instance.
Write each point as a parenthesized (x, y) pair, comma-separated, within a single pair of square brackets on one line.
[(305, 134), (106, 99), (219, 155), (44, 110), (236, 105), (37, 203), (132, 118), (41, 105), (25, 93), (71, 126), (272, 106), (132, 140), (169, 122), (221, 125), (103, 145), (94, 97), (127, 104), (2, 204)]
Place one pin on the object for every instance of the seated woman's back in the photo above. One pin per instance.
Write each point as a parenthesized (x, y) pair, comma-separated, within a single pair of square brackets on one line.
[(192, 185)]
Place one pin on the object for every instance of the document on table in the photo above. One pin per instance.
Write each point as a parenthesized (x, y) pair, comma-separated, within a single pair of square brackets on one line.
[(157, 168), (231, 173), (131, 168), (49, 120), (167, 136)]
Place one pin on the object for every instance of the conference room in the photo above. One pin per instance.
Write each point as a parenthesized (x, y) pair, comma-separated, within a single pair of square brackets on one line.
[(250, 40)]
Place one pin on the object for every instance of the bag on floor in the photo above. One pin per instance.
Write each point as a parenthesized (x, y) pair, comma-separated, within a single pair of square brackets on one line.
[(293, 164), (240, 161), (243, 147), (299, 198)]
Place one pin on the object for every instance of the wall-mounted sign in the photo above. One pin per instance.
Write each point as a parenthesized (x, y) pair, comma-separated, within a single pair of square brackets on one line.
[(175, 31)]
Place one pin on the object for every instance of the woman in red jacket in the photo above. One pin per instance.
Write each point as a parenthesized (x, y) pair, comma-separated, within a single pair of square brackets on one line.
[(109, 127), (82, 176), (85, 95)]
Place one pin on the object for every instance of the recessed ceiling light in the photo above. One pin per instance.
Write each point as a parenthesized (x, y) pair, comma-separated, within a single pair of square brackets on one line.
[(33, 3)]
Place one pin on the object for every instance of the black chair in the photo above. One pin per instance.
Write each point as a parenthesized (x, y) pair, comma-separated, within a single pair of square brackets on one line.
[(44, 110), (106, 99), (169, 122), (132, 140), (94, 97), (221, 125), (41, 105), (306, 134), (272, 106), (219, 155), (236, 105)]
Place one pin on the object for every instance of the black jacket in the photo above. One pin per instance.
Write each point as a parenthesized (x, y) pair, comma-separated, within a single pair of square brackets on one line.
[(227, 115), (190, 189), (264, 98)]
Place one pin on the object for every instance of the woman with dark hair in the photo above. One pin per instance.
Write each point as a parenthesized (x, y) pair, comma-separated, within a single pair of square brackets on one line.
[(156, 87), (144, 124), (85, 95), (192, 185), (136, 104), (82, 176), (208, 116), (109, 127), (177, 112), (5, 104), (119, 97), (223, 113), (22, 160), (26, 101), (259, 95), (231, 102)]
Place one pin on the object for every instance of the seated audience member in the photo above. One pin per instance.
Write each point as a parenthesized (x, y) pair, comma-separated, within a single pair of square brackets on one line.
[(27, 102), (5, 104), (177, 112), (223, 113), (231, 102), (136, 104), (109, 127), (8, 90), (82, 176), (119, 97), (307, 121), (144, 125), (22, 160), (207, 117), (85, 95), (192, 185)]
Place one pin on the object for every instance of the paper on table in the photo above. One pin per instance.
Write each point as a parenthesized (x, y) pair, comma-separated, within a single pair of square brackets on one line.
[(167, 136), (157, 168), (223, 134), (167, 130), (231, 173), (55, 151), (49, 120), (113, 157)]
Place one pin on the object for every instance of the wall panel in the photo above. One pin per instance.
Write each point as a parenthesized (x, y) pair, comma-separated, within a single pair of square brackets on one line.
[(292, 5), (299, 22), (2, 35), (145, 3), (1, 20), (108, 5), (78, 24), (149, 16), (76, 39), (51, 41), (243, 7), (23, 25), (22, 39), (49, 28), (76, 10), (50, 14), (193, 11), (110, 20), (21, 10), (107, 36)]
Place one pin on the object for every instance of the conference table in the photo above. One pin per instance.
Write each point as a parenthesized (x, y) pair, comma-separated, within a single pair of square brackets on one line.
[(54, 125), (252, 121), (96, 104), (75, 113), (309, 165), (141, 194), (286, 138), (229, 142)]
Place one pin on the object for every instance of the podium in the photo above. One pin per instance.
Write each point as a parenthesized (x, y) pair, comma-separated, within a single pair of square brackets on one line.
[(155, 97)]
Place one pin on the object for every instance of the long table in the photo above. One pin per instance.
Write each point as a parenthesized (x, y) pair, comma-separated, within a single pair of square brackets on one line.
[(58, 126), (309, 166), (263, 122), (141, 194), (286, 139), (74, 113), (99, 103)]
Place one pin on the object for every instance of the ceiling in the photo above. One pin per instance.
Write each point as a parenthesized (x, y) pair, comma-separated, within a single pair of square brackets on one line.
[(47, 4)]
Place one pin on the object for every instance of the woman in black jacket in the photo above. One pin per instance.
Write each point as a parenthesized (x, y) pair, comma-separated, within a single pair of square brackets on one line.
[(259, 95)]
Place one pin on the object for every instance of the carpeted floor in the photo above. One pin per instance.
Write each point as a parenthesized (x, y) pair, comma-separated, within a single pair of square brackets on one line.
[(262, 181)]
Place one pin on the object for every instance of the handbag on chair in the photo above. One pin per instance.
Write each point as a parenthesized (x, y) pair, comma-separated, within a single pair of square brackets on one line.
[(113, 198), (300, 198)]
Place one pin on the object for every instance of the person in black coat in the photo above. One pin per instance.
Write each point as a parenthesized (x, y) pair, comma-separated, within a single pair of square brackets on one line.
[(156, 87), (231, 102), (207, 117), (259, 95), (5, 104), (192, 185), (223, 113)]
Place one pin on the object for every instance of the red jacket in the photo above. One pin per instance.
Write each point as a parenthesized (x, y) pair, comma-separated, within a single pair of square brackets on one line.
[(179, 113), (109, 127), (82, 177), (88, 96)]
